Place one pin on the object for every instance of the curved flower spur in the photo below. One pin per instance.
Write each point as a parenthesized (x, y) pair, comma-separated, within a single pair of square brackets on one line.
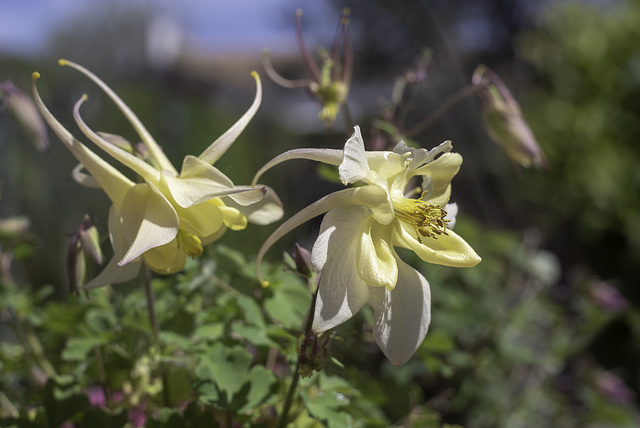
[(169, 215), (354, 252)]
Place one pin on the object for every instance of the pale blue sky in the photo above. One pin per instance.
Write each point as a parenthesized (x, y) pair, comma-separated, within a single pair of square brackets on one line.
[(25, 25)]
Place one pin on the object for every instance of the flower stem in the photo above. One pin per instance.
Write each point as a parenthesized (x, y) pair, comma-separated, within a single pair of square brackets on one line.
[(282, 422), (153, 320), (452, 101)]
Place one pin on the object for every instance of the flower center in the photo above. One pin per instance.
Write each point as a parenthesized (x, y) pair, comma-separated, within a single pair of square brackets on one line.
[(427, 220), (191, 244)]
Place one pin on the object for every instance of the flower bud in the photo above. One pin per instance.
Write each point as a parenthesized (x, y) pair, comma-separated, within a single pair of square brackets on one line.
[(504, 121), (84, 245), (24, 110)]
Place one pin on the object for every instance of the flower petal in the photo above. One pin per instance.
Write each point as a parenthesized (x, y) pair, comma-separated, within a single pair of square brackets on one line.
[(437, 177), (447, 250), (341, 292), (145, 136), (148, 219), (199, 181), (402, 315), (83, 179), (112, 274), (233, 218), (220, 146), (263, 212), (420, 157), (328, 156), (112, 181), (321, 206), (354, 166), (375, 259), (136, 164), (166, 259), (202, 219)]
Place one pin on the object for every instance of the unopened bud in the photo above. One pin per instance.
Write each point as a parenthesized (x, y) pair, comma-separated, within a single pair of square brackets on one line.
[(84, 245), (505, 122), (302, 258), (24, 110)]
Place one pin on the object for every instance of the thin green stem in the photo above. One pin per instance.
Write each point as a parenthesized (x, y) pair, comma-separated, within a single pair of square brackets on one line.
[(452, 101), (153, 320), (282, 422)]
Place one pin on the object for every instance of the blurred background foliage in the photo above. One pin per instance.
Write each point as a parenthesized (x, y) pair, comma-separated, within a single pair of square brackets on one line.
[(546, 330)]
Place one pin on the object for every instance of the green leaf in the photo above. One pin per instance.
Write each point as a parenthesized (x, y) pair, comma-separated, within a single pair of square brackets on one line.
[(289, 304), (78, 347), (226, 381)]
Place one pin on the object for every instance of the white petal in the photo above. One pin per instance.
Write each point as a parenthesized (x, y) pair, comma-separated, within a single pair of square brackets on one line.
[(329, 202), (354, 166), (263, 212), (112, 181), (328, 156), (447, 250), (112, 274), (149, 220), (402, 316), (220, 146), (341, 292), (452, 213), (136, 164), (199, 181), (420, 157), (145, 136), (375, 254)]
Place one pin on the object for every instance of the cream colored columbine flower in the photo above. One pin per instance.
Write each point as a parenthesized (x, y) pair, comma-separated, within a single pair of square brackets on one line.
[(169, 215), (355, 253)]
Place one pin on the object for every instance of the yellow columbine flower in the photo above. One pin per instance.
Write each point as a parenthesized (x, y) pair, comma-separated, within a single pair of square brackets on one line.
[(169, 215), (354, 252)]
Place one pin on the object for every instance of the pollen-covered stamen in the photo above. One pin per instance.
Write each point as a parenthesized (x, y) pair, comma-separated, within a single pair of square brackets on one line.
[(190, 244), (428, 220)]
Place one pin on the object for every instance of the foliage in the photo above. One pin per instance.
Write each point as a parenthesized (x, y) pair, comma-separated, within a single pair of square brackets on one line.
[(532, 336)]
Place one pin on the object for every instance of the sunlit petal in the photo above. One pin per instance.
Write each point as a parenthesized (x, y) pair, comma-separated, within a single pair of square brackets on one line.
[(375, 261), (148, 219), (329, 202), (166, 259), (145, 136), (112, 274), (198, 181), (136, 164), (328, 156), (448, 250), (112, 181), (402, 316), (220, 146), (354, 166), (263, 212), (438, 175), (341, 292)]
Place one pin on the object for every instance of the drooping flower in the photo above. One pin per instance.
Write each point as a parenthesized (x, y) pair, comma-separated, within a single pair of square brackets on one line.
[(170, 214), (355, 252), (504, 120), (330, 83)]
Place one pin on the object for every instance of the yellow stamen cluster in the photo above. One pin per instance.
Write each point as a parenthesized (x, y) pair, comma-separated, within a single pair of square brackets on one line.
[(191, 244), (428, 220)]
